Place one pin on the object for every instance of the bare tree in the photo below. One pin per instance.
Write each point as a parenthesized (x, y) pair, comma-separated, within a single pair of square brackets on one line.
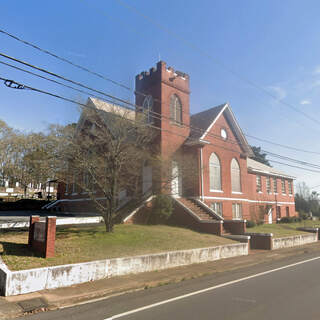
[(106, 156)]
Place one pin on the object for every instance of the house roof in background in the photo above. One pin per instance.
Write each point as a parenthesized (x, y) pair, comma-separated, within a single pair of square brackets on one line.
[(258, 167)]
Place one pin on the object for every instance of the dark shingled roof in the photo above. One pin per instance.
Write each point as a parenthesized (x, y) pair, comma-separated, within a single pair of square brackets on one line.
[(203, 120)]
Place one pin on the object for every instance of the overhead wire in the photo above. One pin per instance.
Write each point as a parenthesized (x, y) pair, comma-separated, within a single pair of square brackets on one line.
[(154, 114), (208, 55), (59, 57), (23, 86)]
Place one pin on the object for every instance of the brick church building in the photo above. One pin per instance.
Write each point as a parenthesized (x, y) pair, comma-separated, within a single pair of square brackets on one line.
[(229, 185)]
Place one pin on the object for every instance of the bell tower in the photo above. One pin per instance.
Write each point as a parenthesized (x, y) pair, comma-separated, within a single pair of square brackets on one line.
[(168, 91)]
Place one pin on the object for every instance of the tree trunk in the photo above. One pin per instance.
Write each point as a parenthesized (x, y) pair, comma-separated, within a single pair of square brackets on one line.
[(108, 220)]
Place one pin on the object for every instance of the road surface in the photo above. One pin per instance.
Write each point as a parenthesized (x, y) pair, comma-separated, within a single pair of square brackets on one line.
[(286, 289)]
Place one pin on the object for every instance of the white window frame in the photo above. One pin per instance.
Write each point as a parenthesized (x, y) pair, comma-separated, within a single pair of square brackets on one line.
[(237, 211), (259, 183), (275, 185), (148, 108), (268, 184), (290, 188), (217, 207), (283, 186), (214, 167), (235, 188), (175, 109)]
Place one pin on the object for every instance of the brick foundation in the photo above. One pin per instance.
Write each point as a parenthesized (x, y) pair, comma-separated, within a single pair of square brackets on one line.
[(235, 226)]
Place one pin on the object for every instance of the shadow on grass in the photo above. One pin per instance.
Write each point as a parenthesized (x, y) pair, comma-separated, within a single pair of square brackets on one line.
[(63, 233), (18, 249)]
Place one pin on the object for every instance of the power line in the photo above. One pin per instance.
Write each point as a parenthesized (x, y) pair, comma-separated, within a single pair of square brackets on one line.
[(64, 59), (291, 159), (22, 86), (293, 166), (155, 115), (208, 55), (54, 81), (160, 117), (120, 84), (282, 145)]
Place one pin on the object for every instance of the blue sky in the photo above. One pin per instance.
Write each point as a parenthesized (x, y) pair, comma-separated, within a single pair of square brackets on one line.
[(274, 44)]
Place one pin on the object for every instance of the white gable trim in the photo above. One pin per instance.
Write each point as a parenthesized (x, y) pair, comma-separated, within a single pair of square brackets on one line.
[(213, 122), (242, 139)]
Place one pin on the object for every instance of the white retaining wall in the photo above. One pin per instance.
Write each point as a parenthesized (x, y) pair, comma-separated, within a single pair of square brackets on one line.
[(287, 242), (25, 281), (59, 222)]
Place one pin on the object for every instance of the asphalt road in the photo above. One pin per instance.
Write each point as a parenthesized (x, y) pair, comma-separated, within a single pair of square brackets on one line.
[(279, 290)]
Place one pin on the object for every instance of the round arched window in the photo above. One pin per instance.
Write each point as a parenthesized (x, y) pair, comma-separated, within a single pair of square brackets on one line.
[(235, 176), (175, 109), (214, 172), (147, 108)]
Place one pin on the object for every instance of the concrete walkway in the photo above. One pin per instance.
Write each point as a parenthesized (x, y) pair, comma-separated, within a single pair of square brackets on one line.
[(69, 296)]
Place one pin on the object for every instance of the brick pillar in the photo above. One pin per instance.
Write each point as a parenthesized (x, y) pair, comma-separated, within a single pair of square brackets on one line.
[(33, 219), (50, 236)]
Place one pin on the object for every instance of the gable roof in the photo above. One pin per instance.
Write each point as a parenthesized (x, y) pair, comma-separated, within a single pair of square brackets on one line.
[(258, 167), (107, 111), (202, 122)]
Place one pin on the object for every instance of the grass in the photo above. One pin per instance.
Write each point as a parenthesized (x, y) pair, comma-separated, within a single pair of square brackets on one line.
[(93, 243), (283, 229)]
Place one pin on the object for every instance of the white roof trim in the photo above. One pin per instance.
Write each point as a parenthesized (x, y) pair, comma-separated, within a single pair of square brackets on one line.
[(214, 121), (245, 142), (282, 175), (239, 128)]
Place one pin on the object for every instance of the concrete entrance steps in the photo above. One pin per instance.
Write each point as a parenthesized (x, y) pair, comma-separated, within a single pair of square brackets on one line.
[(196, 209)]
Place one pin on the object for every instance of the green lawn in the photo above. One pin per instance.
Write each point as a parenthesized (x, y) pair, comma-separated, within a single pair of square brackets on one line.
[(283, 229), (93, 243)]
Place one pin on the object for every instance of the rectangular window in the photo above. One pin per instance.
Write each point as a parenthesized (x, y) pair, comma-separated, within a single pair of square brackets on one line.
[(275, 187), (283, 186), (217, 207), (236, 211), (258, 181), (290, 187), (268, 182), (287, 211)]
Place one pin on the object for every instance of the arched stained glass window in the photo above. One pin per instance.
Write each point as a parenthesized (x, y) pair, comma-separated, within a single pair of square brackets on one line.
[(175, 109), (235, 176), (148, 108), (214, 172)]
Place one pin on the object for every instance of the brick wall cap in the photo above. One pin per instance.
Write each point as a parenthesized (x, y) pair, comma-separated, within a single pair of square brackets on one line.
[(308, 229), (210, 221), (237, 236), (259, 234)]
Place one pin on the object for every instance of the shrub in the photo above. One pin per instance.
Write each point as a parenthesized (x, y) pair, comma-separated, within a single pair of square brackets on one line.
[(162, 207), (303, 215), (250, 224), (290, 219)]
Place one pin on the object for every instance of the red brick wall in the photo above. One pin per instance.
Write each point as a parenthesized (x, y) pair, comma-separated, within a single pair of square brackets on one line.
[(263, 242), (234, 226), (162, 82), (46, 247), (226, 150)]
